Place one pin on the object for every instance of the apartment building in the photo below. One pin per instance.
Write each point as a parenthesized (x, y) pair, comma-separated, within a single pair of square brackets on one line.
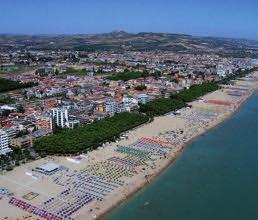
[(22, 142), (44, 122), (4, 143), (110, 107), (60, 116)]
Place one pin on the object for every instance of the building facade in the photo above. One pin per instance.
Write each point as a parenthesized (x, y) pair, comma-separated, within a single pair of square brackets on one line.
[(110, 107), (44, 122), (4, 143), (22, 142), (60, 116), (143, 98)]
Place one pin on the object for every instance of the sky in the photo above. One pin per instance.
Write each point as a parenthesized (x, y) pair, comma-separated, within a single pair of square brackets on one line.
[(225, 18)]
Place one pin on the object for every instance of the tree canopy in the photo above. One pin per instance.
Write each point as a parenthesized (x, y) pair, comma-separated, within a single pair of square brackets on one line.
[(89, 137), (126, 76), (8, 85)]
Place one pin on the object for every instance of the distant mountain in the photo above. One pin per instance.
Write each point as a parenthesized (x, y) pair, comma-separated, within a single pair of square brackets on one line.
[(120, 41)]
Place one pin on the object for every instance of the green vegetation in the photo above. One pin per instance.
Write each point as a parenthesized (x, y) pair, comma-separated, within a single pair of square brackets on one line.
[(5, 113), (40, 72), (140, 88), (96, 47), (176, 101), (73, 71), (161, 106), (195, 91), (126, 76), (239, 54), (5, 100), (238, 73), (8, 85), (15, 69), (89, 137), (20, 108), (15, 158), (8, 69)]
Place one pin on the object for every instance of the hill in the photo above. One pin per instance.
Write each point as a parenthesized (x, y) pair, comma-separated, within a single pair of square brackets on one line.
[(122, 41)]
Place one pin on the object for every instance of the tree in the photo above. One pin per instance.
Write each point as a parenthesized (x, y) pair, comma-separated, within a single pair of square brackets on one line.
[(6, 113), (89, 136), (20, 108), (140, 88)]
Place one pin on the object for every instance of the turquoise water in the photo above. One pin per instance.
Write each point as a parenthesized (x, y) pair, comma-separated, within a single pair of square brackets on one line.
[(216, 178)]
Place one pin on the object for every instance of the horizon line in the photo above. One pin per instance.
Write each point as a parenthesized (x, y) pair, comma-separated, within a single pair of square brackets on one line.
[(113, 31)]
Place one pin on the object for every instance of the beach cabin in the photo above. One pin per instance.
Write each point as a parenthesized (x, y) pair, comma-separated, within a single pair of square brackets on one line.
[(48, 168)]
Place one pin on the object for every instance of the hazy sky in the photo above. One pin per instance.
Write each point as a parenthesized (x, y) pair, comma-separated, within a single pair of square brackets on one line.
[(229, 18)]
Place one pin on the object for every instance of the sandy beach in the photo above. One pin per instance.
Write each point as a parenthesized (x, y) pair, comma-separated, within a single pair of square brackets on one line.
[(114, 172)]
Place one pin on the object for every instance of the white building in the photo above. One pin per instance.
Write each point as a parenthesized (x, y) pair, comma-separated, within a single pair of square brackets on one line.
[(7, 107), (4, 143), (60, 116), (110, 107), (224, 70), (143, 98), (129, 99), (11, 133), (73, 123)]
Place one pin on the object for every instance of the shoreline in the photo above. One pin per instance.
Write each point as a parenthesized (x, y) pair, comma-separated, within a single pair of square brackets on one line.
[(176, 156), (177, 130)]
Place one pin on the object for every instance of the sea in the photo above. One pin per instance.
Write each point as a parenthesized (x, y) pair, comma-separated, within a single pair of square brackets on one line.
[(215, 178)]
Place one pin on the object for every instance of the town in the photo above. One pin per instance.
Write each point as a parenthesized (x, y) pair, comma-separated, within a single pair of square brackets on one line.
[(128, 110), (73, 89)]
